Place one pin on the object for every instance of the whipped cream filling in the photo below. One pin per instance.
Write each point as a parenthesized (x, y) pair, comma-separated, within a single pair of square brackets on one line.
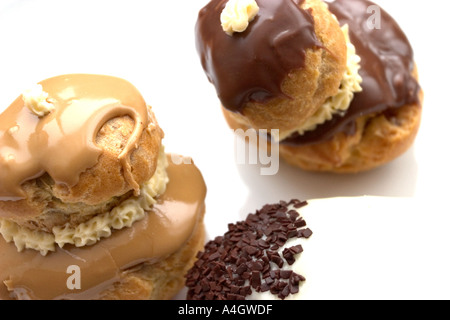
[(237, 15), (339, 103), (100, 226)]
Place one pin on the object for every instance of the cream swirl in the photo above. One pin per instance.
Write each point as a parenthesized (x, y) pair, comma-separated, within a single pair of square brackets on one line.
[(237, 15)]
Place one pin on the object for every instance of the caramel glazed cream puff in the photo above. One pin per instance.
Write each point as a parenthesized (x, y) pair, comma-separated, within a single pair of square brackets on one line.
[(338, 82), (90, 205), (313, 250)]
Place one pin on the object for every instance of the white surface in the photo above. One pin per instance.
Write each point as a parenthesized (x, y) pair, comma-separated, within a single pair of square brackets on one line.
[(151, 44), (378, 255)]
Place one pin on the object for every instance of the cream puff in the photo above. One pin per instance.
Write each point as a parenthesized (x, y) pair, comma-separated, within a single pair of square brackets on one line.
[(337, 81), (86, 187)]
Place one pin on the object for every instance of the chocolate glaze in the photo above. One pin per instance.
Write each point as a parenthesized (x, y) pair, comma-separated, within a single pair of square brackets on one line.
[(251, 66), (387, 63)]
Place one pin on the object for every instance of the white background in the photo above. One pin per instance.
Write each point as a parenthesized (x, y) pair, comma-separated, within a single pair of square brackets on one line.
[(152, 45)]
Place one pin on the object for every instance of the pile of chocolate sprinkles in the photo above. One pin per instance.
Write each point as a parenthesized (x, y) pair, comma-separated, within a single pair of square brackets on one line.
[(247, 257)]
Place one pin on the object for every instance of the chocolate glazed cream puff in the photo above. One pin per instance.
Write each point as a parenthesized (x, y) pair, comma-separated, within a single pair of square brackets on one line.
[(91, 207), (342, 92)]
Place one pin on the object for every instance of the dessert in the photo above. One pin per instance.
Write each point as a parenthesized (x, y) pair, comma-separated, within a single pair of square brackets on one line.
[(85, 185), (342, 91)]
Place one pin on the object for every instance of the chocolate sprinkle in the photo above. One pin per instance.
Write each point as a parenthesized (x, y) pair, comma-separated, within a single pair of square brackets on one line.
[(246, 258)]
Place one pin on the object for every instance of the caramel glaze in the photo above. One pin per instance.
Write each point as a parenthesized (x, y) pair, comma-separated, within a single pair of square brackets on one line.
[(164, 230), (251, 66), (62, 143), (387, 64)]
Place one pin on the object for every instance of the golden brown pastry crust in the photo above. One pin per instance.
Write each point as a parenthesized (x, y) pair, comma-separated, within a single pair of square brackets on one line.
[(378, 140), (158, 281), (99, 189), (307, 88)]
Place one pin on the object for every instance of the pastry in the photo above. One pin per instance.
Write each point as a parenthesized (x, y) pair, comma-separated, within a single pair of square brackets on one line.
[(336, 85), (87, 191)]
